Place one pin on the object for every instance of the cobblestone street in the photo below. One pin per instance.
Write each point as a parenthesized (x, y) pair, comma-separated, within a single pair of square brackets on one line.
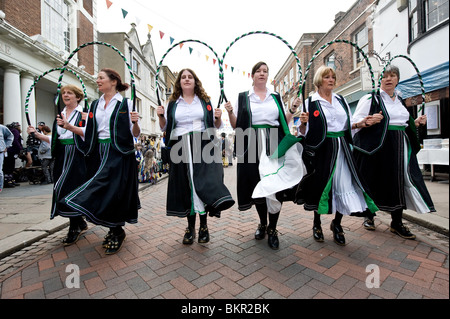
[(233, 265)]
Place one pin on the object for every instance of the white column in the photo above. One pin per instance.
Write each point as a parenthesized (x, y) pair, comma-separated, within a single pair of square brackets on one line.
[(12, 110), (26, 81)]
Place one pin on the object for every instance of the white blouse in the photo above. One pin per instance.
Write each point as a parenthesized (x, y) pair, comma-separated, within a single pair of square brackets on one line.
[(398, 115), (264, 112), (335, 114), (103, 115), (188, 117), (64, 134)]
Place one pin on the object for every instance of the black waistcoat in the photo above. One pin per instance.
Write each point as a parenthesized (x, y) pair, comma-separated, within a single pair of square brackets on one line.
[(244, 118), (370, 139), (119, 125), (317, 130), (208, 118)]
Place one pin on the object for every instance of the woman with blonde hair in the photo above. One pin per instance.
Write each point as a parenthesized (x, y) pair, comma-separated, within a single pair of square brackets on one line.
[(69, 169), (332, 184), (195, 173)]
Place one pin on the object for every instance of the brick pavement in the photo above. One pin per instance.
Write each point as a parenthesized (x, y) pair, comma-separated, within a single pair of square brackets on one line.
[(233, 265)]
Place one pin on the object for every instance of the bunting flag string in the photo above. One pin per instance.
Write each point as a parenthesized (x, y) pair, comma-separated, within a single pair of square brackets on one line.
[(125, 13), (167, 52)]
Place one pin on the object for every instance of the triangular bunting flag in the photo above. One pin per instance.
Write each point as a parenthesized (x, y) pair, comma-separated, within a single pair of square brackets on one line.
[(190, 50), (108, 3), (214, 61), (161, 34), (171, 40), (124, 12), (232, 68), (226, 66), (181, 45), (149, 28), (207, 58)]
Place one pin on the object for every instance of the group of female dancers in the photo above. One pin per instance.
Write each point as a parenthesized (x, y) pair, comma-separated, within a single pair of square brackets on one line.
[(343, 164)]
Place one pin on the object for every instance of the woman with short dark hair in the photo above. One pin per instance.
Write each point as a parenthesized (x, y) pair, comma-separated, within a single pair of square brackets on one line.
[(390, 166)]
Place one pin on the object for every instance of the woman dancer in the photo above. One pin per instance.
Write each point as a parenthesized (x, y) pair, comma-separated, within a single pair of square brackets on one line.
[(260, 124), (195, 173), (332, 185), (110, 197)]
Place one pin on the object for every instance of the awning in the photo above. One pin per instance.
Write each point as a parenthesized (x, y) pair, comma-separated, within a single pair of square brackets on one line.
[(433, 79)]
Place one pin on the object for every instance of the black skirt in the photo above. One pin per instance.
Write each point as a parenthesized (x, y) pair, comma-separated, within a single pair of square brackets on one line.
[(69, 173), (315, 191), (384, 173), (110, 198), (247, 167), (207, 178)]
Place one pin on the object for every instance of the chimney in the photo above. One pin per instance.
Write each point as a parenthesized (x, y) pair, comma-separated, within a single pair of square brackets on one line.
[(338, 16)]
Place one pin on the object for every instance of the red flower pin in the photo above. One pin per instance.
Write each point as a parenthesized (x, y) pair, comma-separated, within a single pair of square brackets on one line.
[(80, 124), (316, 113), (208, 107), (91, 115)]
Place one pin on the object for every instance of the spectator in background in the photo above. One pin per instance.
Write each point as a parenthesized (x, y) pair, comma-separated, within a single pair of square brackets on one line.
[(33, 143), (6, 140), (45, 155), (13, 153)]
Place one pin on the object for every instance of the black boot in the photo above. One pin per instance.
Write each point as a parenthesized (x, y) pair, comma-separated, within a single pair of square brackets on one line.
[(338, 233), (203, 234), (318, 233), (260, 232), (76, 228), (115, 241), (317, 228), (272, 240), (189, 236), (401, 230)]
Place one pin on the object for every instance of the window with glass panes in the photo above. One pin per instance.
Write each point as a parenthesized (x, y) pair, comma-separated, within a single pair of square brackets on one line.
[(361, 39), (425, 16), (436, 11), (55, 23)]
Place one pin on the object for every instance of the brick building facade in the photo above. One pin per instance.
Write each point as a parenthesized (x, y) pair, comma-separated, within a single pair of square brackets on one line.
[(38, 39)]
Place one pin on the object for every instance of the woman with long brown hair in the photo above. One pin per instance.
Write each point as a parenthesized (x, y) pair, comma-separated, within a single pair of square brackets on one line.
[(195, 173)]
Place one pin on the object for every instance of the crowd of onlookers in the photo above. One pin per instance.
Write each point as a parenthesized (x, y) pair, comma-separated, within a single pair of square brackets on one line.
[(36, 156), (151, 159), (37, 161)]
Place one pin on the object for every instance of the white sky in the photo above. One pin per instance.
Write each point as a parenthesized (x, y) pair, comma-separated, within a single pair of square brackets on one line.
[(218, 23)]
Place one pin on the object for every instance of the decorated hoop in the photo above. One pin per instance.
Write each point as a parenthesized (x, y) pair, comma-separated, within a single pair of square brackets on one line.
[(133, 87), (222, 96), (170, 49), (422, 108), (27, 99), (326, 45)]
